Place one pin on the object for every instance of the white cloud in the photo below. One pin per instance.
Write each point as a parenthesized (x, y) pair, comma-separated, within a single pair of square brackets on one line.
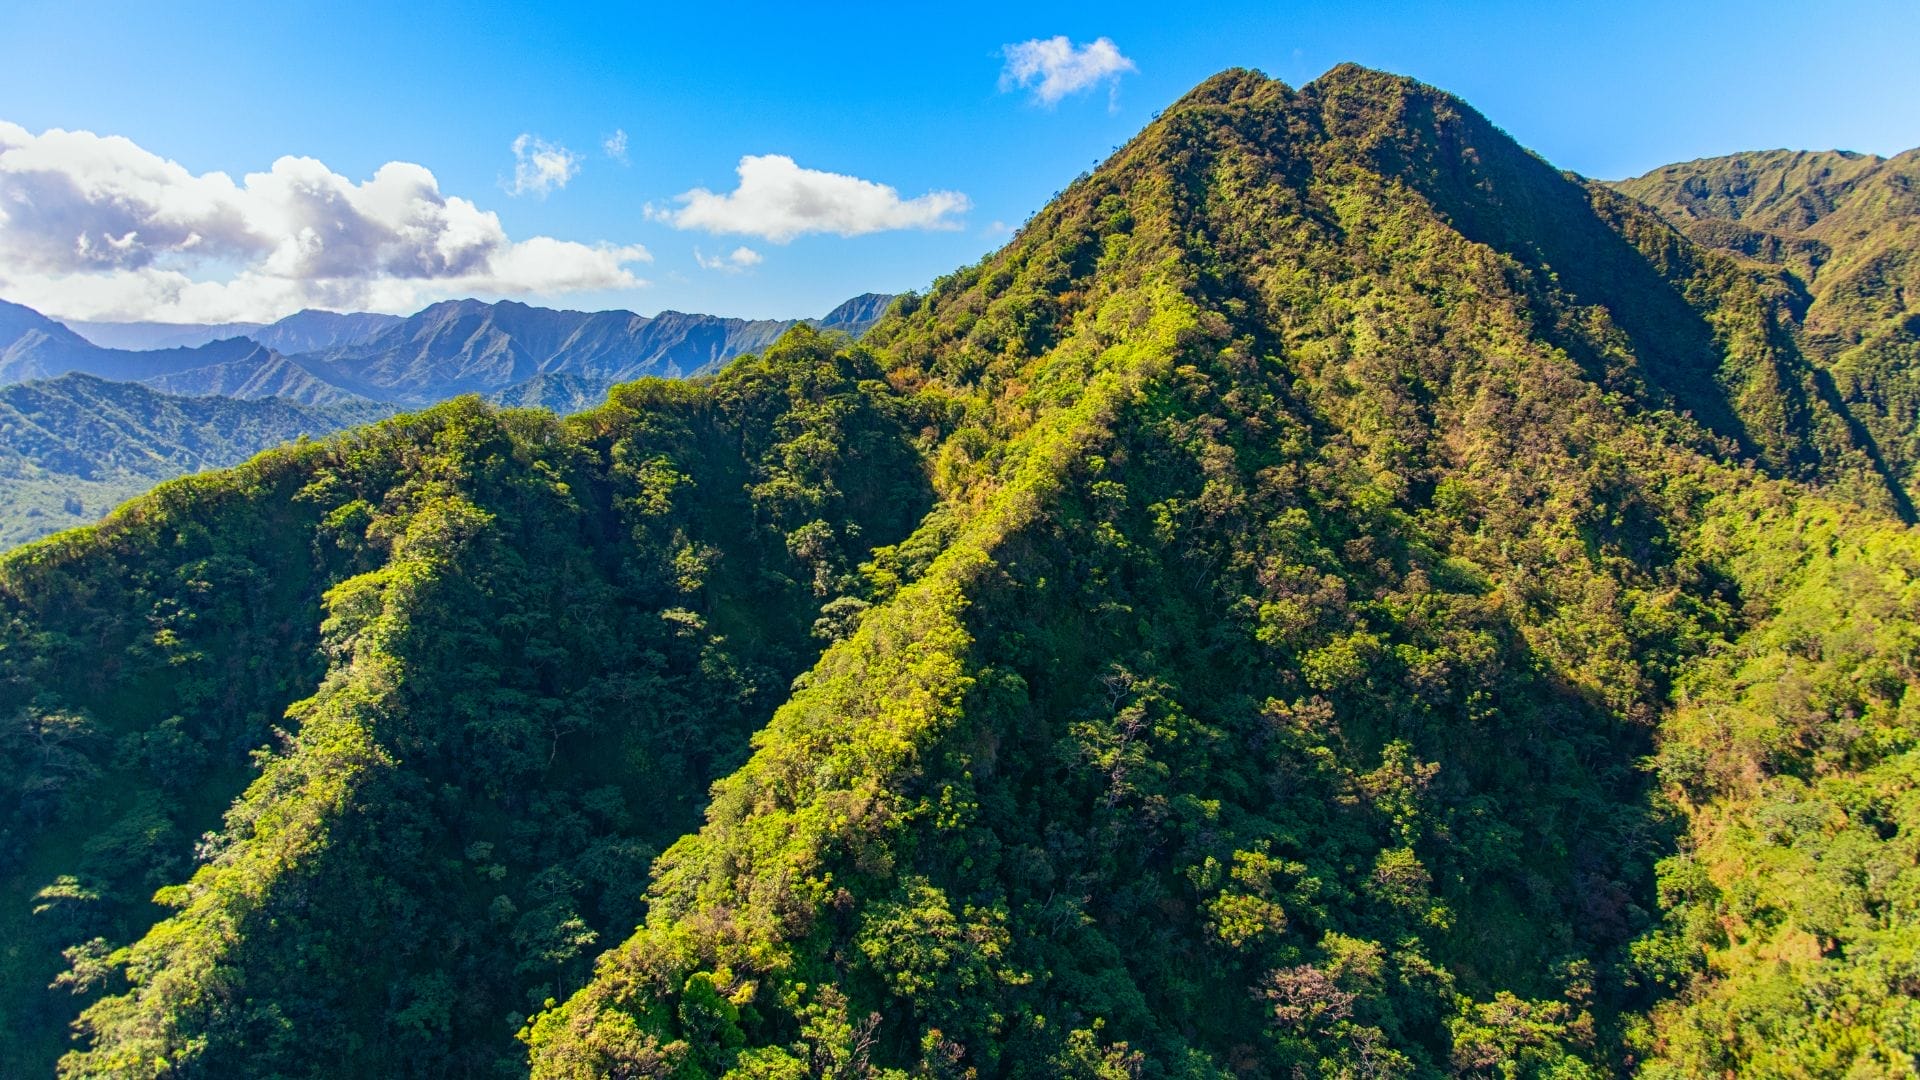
[(740, 258), (778, 200), (96, 227), (540, 166), (1055, 67), (615, 145)]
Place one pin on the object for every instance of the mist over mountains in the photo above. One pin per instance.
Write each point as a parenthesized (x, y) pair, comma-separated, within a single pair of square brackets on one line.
[(303, 331)]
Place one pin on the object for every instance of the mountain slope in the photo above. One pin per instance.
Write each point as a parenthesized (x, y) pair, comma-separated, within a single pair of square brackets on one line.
[(1332, 596), (857, 316), (603, 677), (448, 349), (253, 372), (1777, 191), (1845, 231), (39, 348), (74, 447), (463, 346), (303, 331), (559, 392), (315, 331), (1281, 709), (36, 347)]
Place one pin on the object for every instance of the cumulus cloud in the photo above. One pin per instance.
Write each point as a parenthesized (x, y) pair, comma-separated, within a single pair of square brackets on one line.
[(540, 166), (615, 145), (1055, 67), (97, 227), (740, 258), (778, 200)]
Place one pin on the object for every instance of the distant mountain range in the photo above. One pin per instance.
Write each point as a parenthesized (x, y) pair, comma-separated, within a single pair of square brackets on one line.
[(87, 422), (74, 447), (506, 351), (304, 331)]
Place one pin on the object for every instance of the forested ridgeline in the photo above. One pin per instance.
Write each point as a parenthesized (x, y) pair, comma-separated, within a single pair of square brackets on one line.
[(511, 652), (1334, 596), (75, 447), (1842, 230)]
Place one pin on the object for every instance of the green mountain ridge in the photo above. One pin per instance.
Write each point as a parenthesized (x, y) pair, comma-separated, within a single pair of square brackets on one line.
[(74, 447), (1332, 596), (1843, 228)]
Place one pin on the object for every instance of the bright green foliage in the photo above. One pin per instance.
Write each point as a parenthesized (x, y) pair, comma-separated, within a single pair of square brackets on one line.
[(1843, 232), (1333, 597), (1796, 753), (1328, 565), (527, 647)]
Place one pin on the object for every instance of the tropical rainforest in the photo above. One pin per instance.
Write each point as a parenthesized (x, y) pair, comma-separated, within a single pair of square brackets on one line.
[(1333, 597)]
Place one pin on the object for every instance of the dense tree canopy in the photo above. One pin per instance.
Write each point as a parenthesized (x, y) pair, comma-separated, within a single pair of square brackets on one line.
[(1841, 234), (1333, 596)]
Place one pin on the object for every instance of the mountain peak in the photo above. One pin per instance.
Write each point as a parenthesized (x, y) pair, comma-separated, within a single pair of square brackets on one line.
[(1227, 87), (446, 309), (17, 320), (1222, 632), (1351, 75), (855, 315)]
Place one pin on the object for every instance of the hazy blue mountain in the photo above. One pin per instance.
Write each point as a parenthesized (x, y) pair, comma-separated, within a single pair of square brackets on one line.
[(254, 372), (857, 314), (303, 331), (33, 346), (559, 391), (509, 351), (74, 447), (463, 346), (174, 366), (313, 331), (684, 344), (141, 336), (96, 418)]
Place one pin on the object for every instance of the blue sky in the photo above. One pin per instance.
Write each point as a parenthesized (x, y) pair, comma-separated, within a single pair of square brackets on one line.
[(909, 96)]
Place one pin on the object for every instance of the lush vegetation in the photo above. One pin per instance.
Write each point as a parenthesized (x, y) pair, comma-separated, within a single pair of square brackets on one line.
[(74, 447), (1842, 232), (494, 661), (1332, 597)]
